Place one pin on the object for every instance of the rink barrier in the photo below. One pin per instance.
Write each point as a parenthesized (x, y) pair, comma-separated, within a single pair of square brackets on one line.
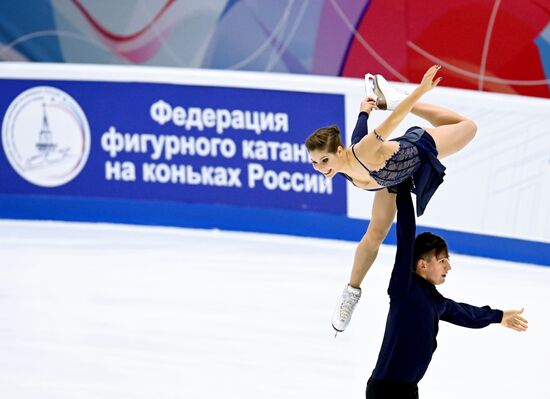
[(224, 150), (272, 221)]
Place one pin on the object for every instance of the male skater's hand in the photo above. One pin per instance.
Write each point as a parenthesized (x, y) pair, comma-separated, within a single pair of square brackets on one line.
[(513, 320)]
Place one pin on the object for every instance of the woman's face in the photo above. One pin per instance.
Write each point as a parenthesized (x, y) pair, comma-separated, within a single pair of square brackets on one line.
[(325, 162)]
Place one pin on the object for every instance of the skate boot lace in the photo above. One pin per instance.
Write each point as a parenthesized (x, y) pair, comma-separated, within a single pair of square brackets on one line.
[(348, 304)]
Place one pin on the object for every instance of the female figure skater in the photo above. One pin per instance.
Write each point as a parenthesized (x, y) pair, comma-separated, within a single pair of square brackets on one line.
[(372, 163)]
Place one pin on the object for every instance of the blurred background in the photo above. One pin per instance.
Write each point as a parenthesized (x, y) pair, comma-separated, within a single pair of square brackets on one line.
[(162, 231), (501, 46)]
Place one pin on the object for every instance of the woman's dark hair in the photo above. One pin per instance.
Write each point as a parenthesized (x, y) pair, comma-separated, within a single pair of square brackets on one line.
[(427, 245), (324, 139)]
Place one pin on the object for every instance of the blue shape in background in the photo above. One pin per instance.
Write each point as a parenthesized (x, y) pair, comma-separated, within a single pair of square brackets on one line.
[(543, 44), (126, 106), (33, 25)]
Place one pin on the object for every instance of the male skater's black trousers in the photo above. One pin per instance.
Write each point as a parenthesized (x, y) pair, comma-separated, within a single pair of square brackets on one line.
[(377, 389)]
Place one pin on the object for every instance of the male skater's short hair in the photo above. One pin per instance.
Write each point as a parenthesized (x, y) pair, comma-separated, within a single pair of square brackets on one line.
[(427, 244)]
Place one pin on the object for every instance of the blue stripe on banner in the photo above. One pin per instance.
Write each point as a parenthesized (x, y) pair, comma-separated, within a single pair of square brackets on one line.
[(306, 224)]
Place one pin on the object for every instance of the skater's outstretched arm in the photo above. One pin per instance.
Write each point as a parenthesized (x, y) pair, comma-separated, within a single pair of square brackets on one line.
[(371, 143), (465, 315)]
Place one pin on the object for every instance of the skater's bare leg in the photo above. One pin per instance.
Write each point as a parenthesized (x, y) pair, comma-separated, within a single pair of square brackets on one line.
[(383, 213), (451, 131)]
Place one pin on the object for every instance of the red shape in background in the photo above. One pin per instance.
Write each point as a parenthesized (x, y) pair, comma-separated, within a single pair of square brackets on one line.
[(453, 33)]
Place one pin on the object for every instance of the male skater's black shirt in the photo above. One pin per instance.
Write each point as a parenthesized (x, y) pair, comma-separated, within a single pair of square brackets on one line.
[(416, 308)]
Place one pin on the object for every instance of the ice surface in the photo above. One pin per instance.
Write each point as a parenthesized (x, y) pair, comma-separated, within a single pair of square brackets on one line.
[(111, 311)]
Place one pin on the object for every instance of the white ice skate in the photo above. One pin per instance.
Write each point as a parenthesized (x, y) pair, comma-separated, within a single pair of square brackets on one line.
[(369, 86), (344, 308), (387, 97)]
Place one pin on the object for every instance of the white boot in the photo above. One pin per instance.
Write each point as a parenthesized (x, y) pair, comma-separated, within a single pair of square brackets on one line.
[(387, 97), (369, 86), (344, 308)]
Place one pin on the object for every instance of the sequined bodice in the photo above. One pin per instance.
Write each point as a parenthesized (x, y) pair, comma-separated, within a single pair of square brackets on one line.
[(399, 167)]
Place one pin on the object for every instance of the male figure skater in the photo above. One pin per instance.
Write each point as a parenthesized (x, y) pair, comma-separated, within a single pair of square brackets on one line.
[(416, 308)]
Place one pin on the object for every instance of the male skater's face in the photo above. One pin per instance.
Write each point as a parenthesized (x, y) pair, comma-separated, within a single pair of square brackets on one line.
[(436, 269)]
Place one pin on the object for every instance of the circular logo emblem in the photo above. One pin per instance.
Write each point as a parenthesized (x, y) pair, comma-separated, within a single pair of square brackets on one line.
[(46, 136)]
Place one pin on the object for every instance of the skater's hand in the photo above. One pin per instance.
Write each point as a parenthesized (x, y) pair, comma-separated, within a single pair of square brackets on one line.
[(513, 320), (367, 105), (429, 81)]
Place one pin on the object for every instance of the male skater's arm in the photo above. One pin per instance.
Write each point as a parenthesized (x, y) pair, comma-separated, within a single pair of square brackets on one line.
[(471, 316), (465, 315), (406, 232)]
